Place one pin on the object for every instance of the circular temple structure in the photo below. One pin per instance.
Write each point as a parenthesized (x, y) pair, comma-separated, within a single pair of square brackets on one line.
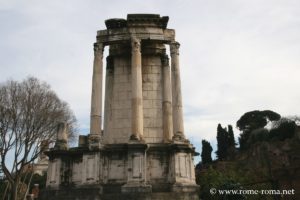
[(142, 152)]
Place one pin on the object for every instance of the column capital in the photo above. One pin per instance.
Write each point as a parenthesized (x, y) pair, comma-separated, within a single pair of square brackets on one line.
[(109, 64), (135, 44), (98, 48), (174, 47), (165, 60)]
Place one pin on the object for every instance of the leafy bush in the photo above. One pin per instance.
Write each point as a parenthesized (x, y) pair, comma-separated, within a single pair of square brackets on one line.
[(283, 129)]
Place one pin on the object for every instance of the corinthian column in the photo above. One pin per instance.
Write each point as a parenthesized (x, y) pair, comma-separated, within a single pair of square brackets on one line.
[(136, 86), (167, 99), (108, 98), (178, 128), (96, 100)]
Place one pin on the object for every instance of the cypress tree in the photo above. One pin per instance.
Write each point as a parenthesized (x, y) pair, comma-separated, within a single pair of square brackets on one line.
[(206, 152), (222, 142), (231, 140)]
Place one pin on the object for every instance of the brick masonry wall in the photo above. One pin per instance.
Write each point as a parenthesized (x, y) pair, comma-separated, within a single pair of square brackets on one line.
[(152, 99), (120, 107)]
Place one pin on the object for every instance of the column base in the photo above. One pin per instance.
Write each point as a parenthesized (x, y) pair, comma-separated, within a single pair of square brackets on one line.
[(178, 137), (94, 141), (134, 137), (136, 140)]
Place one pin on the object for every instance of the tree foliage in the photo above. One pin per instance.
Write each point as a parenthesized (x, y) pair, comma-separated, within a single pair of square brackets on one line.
[(234, 175), (222, 140), (256, 119), (251, 121), (213, 180), (29, 114), (283, 129), (258, 135), (206, 152), (231, 140), (226, 142)]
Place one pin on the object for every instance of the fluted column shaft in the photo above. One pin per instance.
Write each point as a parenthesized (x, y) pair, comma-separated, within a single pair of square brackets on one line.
[(108, 97), (167, 100), (178, 128), (136, 85), (96, 100)]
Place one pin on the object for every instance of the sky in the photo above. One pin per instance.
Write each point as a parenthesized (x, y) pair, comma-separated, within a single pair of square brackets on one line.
[(235, 56)]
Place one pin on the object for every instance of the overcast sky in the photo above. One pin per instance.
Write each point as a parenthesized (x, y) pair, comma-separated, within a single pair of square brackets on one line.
[(235, 56)]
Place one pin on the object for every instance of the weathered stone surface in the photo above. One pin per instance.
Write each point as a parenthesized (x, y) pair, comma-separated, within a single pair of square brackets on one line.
[(95, 194), (178, 128), (127, 169), (62, 137), (41, 166), (142, 26), (142, 152), (83, 141)]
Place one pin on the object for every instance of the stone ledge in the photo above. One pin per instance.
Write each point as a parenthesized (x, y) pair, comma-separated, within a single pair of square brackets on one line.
[(136, 188), (93, 194), (83, 193), (181, 187), (133, 20)]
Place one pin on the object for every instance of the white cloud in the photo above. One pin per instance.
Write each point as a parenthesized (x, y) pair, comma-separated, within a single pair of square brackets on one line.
[(236, 56)]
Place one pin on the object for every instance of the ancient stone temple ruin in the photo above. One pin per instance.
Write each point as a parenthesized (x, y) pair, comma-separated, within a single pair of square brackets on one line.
[(142, 151)]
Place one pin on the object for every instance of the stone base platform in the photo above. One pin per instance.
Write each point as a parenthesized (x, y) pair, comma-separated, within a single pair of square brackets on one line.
[(116, 192), (122, 171)]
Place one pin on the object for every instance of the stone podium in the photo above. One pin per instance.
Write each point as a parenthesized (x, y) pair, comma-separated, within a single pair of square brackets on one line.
[(142, 152)]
